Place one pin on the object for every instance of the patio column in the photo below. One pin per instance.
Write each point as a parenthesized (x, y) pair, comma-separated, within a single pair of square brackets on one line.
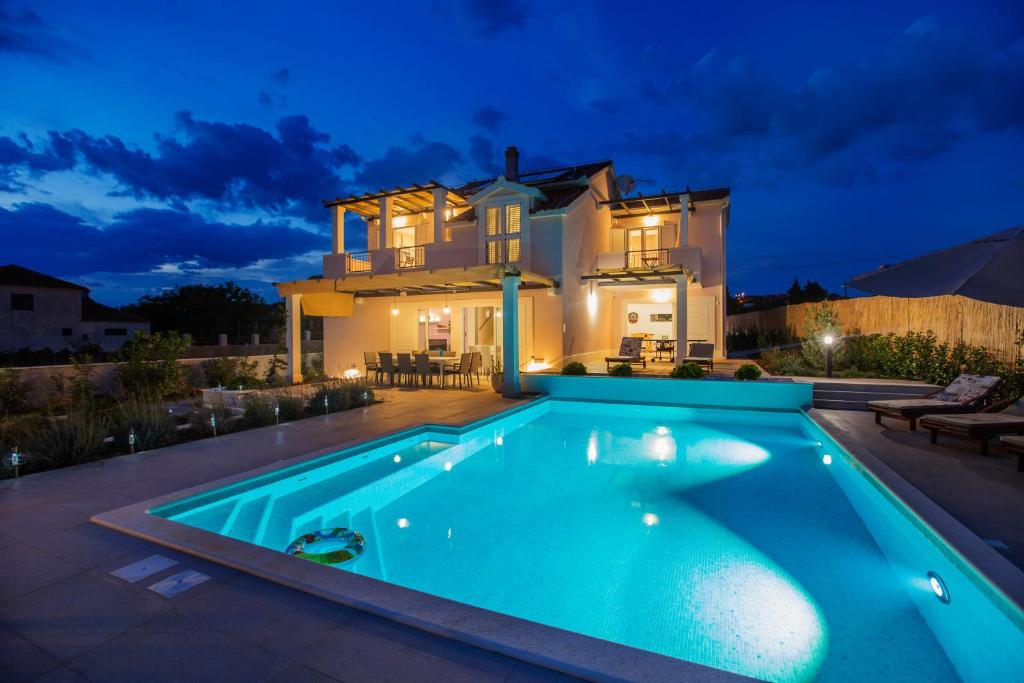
[(337, 230), (510, 335), (682, 282), (684, 221), (440, 204), (293, 319), (385, 223)]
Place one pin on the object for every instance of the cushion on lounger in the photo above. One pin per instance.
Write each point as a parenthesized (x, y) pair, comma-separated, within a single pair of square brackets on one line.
[(630, 346), (1015, 441), (967, 388)]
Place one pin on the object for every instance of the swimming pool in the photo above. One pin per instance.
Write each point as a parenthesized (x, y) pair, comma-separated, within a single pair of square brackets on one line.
[(743, 540)]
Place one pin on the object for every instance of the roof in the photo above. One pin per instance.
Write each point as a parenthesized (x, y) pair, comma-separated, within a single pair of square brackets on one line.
[(19, 276), (442, 280), (93, 311)]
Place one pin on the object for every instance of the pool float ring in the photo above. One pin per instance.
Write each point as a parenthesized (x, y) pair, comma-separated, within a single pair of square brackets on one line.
[(354, 545)]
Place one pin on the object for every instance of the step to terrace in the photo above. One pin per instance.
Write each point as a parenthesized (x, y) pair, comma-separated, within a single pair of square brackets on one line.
[(854, 395)]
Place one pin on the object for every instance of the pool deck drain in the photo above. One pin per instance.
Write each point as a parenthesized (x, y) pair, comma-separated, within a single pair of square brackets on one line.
[(137, 571), (178, 583)]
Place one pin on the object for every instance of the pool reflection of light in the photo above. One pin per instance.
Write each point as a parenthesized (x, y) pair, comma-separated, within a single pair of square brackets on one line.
[(661, 430), (664, 448), (592, 448)]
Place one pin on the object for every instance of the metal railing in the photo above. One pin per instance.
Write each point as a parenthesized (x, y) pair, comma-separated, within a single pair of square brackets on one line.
[(357, 262), (647, 259), (410, 257)]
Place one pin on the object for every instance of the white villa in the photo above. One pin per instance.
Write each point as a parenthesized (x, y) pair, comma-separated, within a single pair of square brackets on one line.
[(537, 268)]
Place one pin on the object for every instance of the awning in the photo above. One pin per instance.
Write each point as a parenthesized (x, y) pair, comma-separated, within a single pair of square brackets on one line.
[(439, 281), (329, 304), (987, 269)]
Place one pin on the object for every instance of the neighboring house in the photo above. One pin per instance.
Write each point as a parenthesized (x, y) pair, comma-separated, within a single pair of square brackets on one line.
[(38, 311), (538, 268)]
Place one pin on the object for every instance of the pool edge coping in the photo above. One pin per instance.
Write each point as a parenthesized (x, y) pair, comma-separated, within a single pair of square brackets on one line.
[(1001, 578), (546, 646)]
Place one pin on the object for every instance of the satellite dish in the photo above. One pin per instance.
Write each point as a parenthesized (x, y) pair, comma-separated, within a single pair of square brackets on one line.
[(625, 183)]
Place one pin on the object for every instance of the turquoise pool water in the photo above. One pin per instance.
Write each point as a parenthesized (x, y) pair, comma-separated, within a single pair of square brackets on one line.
[(743, 540)]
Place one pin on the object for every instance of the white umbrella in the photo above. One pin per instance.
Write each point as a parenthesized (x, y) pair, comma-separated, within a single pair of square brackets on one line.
[(988, 269)]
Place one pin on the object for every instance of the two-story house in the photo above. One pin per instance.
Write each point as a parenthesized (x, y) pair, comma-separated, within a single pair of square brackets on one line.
[(536, 268), (38, 311)]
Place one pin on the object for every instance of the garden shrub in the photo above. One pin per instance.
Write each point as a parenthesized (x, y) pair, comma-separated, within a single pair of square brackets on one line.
[(153, 425), (621, 370), (259, 410), (149, 364), (748, 371), (68, 440), (821, 319), (786, 362), (688, 370), (231, 372), (291, 407), (13, 392), (312, 367), (574, 368), (227, 421), (341, 395)]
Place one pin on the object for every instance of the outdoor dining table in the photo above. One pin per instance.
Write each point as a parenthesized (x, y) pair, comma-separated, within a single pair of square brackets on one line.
[(444, 363)]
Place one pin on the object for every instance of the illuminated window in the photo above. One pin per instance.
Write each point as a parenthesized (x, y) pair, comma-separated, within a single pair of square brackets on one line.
[(503, 220)]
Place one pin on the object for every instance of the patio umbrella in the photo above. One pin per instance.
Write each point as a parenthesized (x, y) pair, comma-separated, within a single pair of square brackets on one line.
[(988, 269)]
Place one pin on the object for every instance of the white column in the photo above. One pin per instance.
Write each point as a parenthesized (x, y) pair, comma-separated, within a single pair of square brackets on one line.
[(384, 240), (440, 205), (337, 230), (293, 318), (680, 315), (510, 335)]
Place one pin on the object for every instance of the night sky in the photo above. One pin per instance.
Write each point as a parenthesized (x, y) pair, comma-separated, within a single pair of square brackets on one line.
[(149, 144)]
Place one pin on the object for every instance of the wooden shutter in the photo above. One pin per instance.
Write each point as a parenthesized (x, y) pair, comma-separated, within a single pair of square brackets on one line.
[(512, 218), (493, 220)]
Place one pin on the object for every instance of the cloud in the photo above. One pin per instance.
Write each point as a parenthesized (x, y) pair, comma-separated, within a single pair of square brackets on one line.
[(57, 153), (489, 118), (235, 166), (492, 17), (272, 96), (417, 163), (23, 32), (481, 151), (142, 240), (910, 102)]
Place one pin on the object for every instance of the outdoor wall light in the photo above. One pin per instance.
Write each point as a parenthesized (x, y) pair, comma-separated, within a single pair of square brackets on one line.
[(650, 221), (394, 307), (938, 587), (497, 313), (662, 296)]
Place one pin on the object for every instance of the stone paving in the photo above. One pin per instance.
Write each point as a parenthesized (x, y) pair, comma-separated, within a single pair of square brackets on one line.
[(64, 617)]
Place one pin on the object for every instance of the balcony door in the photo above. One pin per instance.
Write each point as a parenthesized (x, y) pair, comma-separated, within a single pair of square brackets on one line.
[(642, 246)]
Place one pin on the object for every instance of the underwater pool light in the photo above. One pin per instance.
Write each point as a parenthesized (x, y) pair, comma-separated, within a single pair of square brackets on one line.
[(661, 430), (447, 467), (650, 519), (827, 459), (938, 587), (397, 458), (403, 523), (499, 440)]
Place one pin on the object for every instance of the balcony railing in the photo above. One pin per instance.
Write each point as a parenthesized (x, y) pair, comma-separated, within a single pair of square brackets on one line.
[(647, 259), (409, 257), (357, 262)]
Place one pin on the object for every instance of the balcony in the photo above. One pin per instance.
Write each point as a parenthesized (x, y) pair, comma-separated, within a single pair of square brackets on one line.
[(410, 257), (358, 262), (649, 261)]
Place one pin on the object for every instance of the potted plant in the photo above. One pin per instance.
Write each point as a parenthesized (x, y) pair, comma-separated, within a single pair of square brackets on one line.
[(497, 376)]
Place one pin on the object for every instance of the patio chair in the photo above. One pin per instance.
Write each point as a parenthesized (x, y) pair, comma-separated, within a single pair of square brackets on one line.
[(965, 394), (370, 361), (476, 364), (425, 371), (629, 352), (406, 372), (701, 353), (1015, 444), (1005, 417), (386, 366), (465, 368)]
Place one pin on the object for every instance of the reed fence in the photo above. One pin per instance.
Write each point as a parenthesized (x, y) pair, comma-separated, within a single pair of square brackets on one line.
[(950, 318)]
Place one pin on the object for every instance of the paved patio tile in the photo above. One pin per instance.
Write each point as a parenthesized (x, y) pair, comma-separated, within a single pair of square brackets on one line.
[(26, 568), (370, 649), (261, 612), (7, 539), (20, 660), (74, 616), (88, 545), (62, 674), (176, 647), (296, 673), (27, 523), (527, 673)]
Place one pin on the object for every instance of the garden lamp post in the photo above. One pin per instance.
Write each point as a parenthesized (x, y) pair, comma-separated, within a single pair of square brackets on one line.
[(828, 340)]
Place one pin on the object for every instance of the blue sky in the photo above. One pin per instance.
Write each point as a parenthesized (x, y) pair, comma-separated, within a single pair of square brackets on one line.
[(144, 145)]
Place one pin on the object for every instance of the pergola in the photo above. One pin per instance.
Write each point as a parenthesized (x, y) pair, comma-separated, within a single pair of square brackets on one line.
[(405, 200)]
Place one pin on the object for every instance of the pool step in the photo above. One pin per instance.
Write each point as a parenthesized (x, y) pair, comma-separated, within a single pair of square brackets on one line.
[(855, 395)]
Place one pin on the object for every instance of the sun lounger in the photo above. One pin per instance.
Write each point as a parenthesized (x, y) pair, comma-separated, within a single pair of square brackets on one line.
[(1015, 444), (964, 395), (629, 352), (701, 353), (1006, 417)]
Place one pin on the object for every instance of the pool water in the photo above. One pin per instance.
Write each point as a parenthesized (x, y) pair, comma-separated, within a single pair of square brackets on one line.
[(722, 537)]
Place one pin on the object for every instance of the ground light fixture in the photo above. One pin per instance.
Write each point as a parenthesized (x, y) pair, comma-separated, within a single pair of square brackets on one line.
[(828, 340), (938, 587)]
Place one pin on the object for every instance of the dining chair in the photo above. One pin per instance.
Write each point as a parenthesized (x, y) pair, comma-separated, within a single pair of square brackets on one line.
[(405, 369), (424, 369), (370, 361), (386, 366), (476, 364), (465, 366)]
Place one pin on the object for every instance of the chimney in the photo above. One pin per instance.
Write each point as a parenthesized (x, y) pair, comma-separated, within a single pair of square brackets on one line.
[(511, 163)]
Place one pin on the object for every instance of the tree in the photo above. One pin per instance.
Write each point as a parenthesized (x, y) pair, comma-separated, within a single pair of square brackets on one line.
[(814, 292), (203, 312), (795, 293)]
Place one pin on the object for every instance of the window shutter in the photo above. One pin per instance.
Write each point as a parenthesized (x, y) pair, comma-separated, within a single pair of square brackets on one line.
[(493, 218), (512, 218), (512, 247)]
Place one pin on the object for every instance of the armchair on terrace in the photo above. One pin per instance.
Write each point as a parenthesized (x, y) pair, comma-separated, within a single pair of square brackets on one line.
[(629, 352), (701, 353)]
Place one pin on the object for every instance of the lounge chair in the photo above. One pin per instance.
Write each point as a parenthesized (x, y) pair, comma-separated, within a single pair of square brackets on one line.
[(964, 395), (1015, 444), (629, 352), (1005, 417), (701, 353)]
